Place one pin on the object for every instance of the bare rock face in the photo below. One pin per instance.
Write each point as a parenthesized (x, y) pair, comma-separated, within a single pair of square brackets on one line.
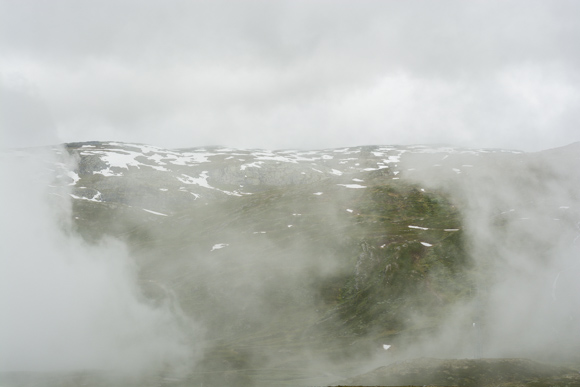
[(467, 372)]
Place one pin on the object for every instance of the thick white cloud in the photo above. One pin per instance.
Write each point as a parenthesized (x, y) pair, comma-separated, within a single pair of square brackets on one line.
[(67, 305), (306, 74)]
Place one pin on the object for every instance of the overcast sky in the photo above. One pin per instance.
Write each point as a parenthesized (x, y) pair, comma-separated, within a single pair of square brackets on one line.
[(291, 74)]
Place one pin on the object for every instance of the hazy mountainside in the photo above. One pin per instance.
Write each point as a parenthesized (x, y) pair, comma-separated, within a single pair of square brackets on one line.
[(298, 267)]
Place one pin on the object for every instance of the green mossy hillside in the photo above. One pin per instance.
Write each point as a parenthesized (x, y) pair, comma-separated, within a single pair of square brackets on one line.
[(299, 271)]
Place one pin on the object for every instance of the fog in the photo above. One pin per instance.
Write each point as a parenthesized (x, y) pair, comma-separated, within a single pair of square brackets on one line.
[(67, 305), (245, 289), (522, 223), (534, 296), (215, 286)]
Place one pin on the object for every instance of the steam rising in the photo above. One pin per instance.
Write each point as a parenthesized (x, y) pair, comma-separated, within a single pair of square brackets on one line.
[(67, 305)]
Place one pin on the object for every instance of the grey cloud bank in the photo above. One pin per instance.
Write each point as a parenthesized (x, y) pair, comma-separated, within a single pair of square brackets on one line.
[(291, 74)]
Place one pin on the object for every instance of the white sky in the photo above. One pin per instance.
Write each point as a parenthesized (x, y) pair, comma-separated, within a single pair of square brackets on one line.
[(291, 74)]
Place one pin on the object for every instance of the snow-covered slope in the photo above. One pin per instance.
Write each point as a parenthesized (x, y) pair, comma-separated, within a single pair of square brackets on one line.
[(169, 179)]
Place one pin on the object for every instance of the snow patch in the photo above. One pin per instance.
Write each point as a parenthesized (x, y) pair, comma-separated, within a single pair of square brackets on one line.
[(379, 167), (219, 246), (201, 180), (121, 159), (73, 175), (154, 212), (255, 164), (96, 198)]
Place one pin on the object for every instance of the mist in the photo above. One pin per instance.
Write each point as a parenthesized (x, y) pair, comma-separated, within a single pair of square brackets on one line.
[(522, 223), (68, 305), (526, 235), (227, 266), (224, 266)]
